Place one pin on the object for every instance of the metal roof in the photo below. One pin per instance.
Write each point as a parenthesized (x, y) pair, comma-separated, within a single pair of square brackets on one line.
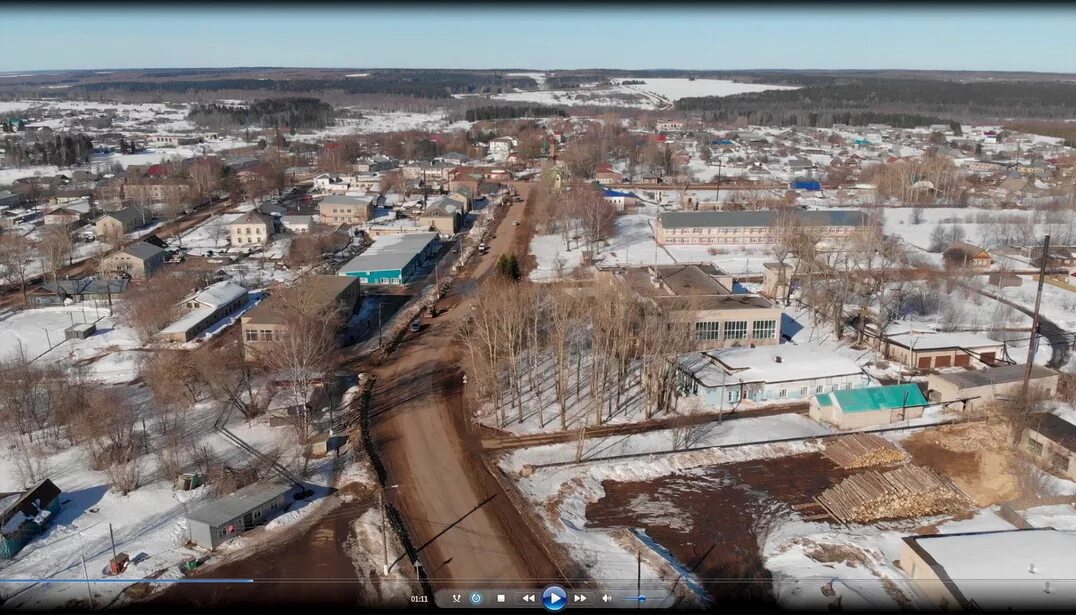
[(142, 250), (995, 375), (877, 398), (692, 219), (389, 253), (231, 507)]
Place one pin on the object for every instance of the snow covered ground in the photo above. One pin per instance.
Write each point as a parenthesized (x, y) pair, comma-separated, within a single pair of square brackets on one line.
[(654, 93), (33, 331)]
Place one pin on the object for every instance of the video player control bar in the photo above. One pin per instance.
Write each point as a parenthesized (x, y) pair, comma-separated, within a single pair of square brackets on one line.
[(552, 598)]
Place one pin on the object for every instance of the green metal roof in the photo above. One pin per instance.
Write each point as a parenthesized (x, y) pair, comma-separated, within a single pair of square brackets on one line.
[(824, 400), (879, 398)]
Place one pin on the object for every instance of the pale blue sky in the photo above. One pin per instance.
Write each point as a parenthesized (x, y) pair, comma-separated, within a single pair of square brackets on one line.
[(486, 36)]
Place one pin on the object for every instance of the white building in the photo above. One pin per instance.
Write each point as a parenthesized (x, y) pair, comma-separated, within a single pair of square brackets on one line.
[(501, 147), (767, 373)]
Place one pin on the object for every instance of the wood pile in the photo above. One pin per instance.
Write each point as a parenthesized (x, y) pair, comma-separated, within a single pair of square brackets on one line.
[(863, 450), (907, 491)]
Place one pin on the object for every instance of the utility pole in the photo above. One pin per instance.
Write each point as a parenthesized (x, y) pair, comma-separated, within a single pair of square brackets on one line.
[(1033, 344), (379, 306), (638, 579), (384, 533), (89, 590), (112, 537)]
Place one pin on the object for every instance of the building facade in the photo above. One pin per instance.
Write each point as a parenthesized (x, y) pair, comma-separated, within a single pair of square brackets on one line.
[(751, 227)]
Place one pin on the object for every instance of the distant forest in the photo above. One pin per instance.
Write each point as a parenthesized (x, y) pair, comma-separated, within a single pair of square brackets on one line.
[(416, 83), (297, 113), (62, 150), (510, 111), (909, 101)]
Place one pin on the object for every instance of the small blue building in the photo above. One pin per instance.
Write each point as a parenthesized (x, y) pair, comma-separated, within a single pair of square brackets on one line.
[(393, 259), (26, 515), (811, 185)]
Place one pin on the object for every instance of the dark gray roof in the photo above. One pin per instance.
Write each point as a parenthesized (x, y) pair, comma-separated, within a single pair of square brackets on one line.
[(995, 375), (231, 507), (142, 250), (85, 286), (691, 219), (127, 215)]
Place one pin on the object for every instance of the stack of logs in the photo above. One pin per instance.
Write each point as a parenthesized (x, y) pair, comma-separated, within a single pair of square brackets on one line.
[(863, 450), (908, 491)]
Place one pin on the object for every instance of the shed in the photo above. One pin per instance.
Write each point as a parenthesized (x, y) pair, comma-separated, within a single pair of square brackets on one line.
[(213, 523), (80, 331), (26, 515), (869, 407)]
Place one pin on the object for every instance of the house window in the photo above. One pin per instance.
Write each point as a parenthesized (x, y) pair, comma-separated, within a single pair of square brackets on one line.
[(252, 335), (804, 391), (736, 330), (782, 394), (1034, 446), (764, 329), (818, 389), (1059, 461), (707, 331), (734, 395)]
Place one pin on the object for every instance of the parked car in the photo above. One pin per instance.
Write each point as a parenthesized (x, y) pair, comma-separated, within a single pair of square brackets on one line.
[(416, 326)]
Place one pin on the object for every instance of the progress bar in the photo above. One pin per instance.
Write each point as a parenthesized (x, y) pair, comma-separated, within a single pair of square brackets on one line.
[(127, 581)]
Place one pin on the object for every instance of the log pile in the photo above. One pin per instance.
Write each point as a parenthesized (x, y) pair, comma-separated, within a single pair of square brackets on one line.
[(863, 450), (908, 491)]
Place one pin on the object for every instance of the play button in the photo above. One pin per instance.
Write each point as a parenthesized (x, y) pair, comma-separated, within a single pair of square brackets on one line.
[(554, 598)]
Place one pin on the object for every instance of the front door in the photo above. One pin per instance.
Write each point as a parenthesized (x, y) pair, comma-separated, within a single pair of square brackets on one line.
[(248, 521)]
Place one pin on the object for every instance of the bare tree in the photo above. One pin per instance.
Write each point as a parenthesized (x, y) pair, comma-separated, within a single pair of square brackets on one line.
[(152, 305), (17, 254), (56, 248), (229, 379)]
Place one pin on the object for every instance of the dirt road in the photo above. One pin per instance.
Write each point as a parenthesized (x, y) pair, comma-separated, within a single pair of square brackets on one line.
[(464, 528)]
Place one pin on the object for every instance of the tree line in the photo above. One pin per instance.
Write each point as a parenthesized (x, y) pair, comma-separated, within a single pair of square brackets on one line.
[(62, 150), (901, 97), (502, 112), (297, 113), (415, 83)]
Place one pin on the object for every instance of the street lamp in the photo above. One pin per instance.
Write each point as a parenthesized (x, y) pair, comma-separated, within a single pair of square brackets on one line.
[(384, 533)]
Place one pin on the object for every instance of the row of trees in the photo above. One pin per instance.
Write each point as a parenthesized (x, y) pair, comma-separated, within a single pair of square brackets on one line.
[(504, 112), (295, 113), (571, 355), (582, 217), (63, 150)]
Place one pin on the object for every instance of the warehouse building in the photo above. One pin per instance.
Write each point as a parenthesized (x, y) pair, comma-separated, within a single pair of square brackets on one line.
[(393, 259), (869, 407), (984, 386), (215, 522)]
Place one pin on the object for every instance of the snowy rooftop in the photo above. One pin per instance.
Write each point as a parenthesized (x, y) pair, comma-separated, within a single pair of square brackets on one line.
[(761, 364), (932, 341), (1007, 569), (231, 507)]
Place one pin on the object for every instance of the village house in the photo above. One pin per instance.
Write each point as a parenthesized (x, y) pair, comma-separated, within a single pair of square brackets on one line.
[(118, 223), (699, 296), (346, 209), (64, 216), (297, 224), (203, 309), (10, 199), (263, 324), (1026, 570), (158, 190), (251, 229), (76, 289), (984, 386), (1050, 441), (26, 515), (962, 255), (620, 200), (605, 175), (668, 126), (443, 217), (138, 261), (722, 378), (211, 523), (373, 164), (1060, 257), (868, 407), (933, 350), (500, 147), (751, 227)]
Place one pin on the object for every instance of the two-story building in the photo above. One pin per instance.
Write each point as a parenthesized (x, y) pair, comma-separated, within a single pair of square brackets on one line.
[(251, 229), (751, 227)]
